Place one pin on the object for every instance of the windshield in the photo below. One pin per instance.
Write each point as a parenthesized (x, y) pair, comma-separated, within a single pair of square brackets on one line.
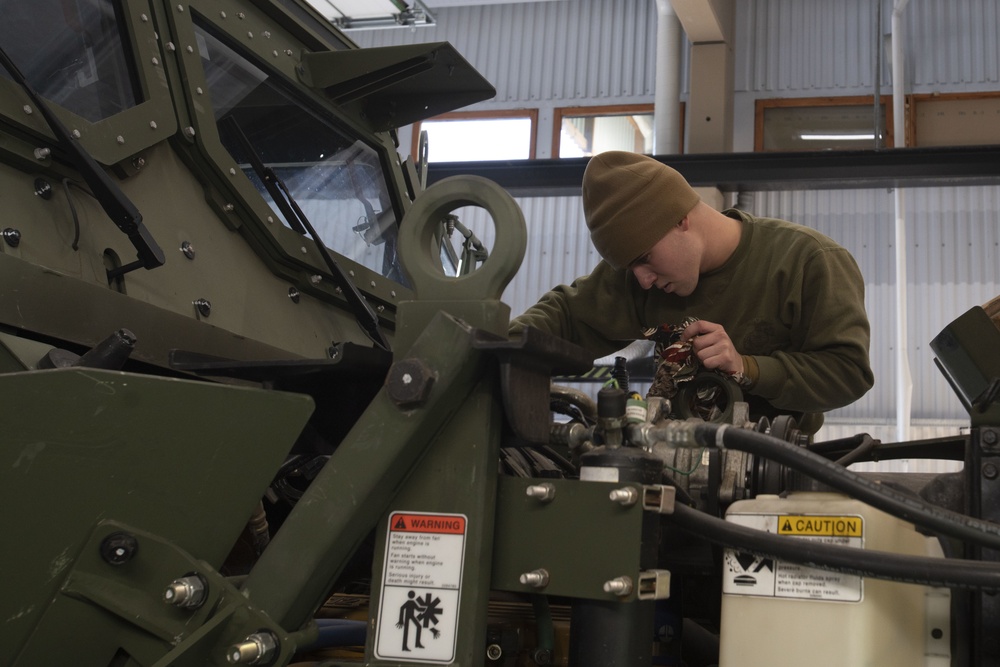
[(335, 178), (71, 53)]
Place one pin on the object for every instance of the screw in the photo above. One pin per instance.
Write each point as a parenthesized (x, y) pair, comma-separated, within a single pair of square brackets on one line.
[(42, 153), (12, 237), (138, 163), (543, 492), (990, 471), (118, 548), (625, 496), (990, 436), (189, 131), (316, 279), (293, 294), (43, 189), (203, 306), (187, 592), (542, 656), (256, 649), (187, 249), (620, 586), (536, 578), (493, 652)]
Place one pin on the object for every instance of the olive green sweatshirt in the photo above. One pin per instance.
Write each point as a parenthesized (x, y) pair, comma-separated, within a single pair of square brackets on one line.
[(789, 297)]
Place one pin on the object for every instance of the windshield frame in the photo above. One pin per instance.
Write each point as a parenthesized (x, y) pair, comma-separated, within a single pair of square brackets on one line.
[(120, 136), (267, 45)]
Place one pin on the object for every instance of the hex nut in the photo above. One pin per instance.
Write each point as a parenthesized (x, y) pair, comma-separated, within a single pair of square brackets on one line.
[(409, 383)]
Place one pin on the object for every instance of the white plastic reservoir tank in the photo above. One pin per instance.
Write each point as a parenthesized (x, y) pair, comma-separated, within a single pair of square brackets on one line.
[(777, 614)]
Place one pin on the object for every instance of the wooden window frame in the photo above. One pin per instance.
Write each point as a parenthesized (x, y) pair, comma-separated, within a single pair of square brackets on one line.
[(787, 102), (613, 110), (914, 99), (530, 114)]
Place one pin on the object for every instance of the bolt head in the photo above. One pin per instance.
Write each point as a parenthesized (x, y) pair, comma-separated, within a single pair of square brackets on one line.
[(409, 383), (12, 237), (119, 548)]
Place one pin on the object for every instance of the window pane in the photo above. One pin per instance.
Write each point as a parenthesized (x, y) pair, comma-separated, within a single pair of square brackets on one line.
[(821, 127), (335, 178), (969, 121), (71, 53), (588, 135), (478, 139)]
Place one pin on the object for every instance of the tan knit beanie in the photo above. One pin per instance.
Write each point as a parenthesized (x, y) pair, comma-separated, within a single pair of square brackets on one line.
[(630, 202)]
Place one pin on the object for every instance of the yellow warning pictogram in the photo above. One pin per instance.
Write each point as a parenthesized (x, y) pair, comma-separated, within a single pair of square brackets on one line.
[(821, 525)]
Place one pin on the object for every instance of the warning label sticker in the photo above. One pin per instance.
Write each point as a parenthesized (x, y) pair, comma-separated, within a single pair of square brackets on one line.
[(421, 585), (746, 574)]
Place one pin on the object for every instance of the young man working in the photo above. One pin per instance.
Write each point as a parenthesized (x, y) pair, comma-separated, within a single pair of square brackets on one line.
[(779, 306)]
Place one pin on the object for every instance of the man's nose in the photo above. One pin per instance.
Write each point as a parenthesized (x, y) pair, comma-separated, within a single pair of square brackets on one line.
[(645, 277)]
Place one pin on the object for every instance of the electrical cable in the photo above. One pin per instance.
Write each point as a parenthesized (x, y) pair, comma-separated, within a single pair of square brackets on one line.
[(908, 508), (922, 570)]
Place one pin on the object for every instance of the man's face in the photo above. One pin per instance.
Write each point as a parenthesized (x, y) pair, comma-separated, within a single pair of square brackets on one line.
[(672, 264)]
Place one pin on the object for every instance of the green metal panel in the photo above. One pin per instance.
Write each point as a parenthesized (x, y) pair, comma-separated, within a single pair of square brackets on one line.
[(184, 460), (966, 353), (580, 537)]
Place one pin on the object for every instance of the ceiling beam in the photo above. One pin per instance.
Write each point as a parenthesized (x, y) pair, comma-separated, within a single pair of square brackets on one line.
[(734, 172)]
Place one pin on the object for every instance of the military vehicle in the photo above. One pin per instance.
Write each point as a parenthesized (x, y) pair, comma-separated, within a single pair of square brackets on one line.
[(262, 410)]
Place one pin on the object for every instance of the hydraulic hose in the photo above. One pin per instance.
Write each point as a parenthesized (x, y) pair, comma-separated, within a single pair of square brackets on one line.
[(922, 570), (335, 632), (908, 508)]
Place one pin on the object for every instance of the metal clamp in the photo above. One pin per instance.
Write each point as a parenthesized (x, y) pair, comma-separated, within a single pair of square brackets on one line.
[(658, 498)]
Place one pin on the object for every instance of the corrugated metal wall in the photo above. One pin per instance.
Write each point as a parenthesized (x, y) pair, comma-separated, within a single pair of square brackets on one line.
[(545, 52), (818, 47), (592, 52)]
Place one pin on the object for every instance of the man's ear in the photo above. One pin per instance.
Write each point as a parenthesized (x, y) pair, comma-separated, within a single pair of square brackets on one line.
[(685, 223)]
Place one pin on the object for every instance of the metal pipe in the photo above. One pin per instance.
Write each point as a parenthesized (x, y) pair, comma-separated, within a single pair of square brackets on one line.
[(904, 382), (877, 106), (666, 100)]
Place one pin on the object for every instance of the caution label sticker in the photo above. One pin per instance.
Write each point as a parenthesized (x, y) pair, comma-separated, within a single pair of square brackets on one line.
[(746, 574), (421, 586)]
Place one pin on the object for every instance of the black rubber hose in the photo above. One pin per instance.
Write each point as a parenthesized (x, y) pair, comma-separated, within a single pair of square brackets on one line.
[(912, 509), (868, 443), (922, 570)]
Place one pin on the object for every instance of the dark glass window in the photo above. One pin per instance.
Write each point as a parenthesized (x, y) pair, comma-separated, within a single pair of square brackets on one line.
[(335, 178), (72, 54)]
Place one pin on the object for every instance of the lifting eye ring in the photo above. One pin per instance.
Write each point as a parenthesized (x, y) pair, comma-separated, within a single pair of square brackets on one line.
[(417, 236)]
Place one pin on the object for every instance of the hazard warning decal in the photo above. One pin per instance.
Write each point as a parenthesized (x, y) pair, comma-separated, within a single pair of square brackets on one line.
[(746, 574), (421, 586)]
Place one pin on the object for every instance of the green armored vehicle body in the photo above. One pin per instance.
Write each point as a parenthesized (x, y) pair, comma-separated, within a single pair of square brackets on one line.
[(258, 413)]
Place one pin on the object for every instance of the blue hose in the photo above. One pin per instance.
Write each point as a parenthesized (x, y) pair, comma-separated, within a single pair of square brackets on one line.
[(335, 632)]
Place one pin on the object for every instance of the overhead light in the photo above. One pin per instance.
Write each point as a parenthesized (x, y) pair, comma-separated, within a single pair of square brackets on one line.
[(371, 14), (859, 136)]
